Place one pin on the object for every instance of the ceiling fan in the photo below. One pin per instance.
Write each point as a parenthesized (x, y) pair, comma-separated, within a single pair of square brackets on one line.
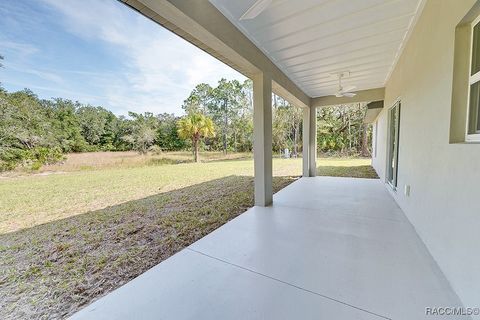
[(344, 92), (255, 9)]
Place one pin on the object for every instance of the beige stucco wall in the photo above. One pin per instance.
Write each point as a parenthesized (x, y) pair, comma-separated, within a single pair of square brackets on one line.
[(379, 144), (444, 205)]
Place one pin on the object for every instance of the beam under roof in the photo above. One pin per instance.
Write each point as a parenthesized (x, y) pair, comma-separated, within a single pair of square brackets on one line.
[(361, 96), (200, 23)]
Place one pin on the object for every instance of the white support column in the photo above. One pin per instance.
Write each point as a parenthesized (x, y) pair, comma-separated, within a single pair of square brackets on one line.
[(306, 142), (262, 139), (312, 142)]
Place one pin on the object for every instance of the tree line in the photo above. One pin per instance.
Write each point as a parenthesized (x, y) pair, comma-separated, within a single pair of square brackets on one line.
[(340, 129), (35, 131)]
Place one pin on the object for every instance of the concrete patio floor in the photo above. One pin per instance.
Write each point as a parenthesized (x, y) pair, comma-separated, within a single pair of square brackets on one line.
[(329, 248)]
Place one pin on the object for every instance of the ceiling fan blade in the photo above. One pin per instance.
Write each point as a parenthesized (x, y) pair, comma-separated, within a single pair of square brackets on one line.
[(349, 94), (350, 88), (255, 9)]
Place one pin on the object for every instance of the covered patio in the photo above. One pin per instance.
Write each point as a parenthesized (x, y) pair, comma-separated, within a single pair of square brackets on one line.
[(312, 53), (329, 248), (332, 248)]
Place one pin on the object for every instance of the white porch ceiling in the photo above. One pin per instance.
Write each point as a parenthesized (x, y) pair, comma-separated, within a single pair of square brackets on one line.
[(311, 39)]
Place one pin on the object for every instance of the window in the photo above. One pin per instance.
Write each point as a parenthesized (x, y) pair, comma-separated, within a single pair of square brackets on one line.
[(393, 135), (473, 123), (465, 107)]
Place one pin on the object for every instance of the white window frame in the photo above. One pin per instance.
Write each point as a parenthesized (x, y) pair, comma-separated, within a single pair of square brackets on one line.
[(472, 79)]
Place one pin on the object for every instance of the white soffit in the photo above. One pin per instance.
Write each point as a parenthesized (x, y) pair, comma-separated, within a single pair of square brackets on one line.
[(311, 39)]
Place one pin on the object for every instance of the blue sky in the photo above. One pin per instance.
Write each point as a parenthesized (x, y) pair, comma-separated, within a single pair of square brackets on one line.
[(100, 52)]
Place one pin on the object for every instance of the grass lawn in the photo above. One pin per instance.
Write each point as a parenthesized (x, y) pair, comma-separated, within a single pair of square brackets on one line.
[(76, 231)]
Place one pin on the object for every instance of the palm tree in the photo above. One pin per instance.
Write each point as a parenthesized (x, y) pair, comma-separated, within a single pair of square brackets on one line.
[(195, 126)]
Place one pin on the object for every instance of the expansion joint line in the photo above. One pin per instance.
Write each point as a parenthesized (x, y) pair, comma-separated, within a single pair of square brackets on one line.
[(289, 284)]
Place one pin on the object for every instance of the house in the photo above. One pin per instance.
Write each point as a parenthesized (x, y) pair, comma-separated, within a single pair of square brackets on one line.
[(405, 247)]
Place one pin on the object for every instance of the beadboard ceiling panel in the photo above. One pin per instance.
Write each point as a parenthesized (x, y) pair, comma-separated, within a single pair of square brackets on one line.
[(311, 40)]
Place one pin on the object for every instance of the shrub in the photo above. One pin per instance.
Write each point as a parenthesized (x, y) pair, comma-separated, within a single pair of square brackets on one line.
[(47, 155), (155, 150), (32, 159), (10, 158)]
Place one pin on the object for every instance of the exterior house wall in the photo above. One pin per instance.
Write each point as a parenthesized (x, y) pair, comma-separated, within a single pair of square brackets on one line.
[(444, 203), (380, 143)]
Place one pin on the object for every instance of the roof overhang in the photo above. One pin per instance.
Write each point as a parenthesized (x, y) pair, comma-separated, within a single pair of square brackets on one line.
[(299, 44), (312, 41)]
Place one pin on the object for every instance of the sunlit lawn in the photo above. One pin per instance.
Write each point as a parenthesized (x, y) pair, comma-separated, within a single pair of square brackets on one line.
[(94, 181), (76, 231), (30, 200)]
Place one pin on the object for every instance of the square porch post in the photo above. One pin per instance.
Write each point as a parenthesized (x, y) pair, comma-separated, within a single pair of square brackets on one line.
[(306, 143), (262, 139), (312, 141)]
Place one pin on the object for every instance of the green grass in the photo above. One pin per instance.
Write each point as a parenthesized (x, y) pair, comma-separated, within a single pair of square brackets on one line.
[(75, 232), (29, 200), (346, 167)]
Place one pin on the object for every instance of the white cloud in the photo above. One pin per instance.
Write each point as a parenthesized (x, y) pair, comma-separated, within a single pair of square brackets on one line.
[(160, 69), (49, 76), (22, 49), (55, 91)]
